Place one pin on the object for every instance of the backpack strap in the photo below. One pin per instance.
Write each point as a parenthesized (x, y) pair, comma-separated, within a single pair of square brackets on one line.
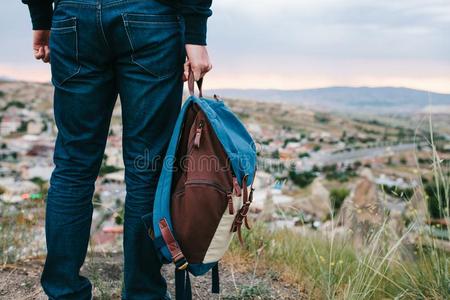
[(175, 251), (215, 280), (191, 81), (183, 290)]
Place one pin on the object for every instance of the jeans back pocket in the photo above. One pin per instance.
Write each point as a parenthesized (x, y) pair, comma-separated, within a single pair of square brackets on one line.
[(156, 42), (64, 50)]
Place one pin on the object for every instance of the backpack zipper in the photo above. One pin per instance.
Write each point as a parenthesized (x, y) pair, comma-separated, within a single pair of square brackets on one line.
[(198, 134), (216, 187), (205, 182)]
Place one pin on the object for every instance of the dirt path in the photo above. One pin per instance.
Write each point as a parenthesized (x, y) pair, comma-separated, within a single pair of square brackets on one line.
[(21, 281)]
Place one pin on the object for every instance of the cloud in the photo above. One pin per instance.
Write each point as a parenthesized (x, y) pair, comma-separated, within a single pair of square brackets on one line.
[(299, 43), (364, 29), (403, 41)]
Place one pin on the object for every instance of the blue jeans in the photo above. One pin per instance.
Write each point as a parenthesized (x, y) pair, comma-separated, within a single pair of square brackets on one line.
[(101, 49)]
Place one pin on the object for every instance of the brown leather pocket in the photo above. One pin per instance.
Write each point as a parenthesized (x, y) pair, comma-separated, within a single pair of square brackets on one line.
[(196, 213)]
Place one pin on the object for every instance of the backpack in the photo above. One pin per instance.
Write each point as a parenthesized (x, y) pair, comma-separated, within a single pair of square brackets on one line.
[(204, 190)]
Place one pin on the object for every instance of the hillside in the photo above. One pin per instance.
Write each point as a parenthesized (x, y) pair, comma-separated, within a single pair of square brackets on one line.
[(320, 173)]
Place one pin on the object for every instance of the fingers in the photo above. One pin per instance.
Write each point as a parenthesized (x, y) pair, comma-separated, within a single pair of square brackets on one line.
[(39, 53), (200, 70), (43, 52), (198, 61), (41, 48), (197, 71), (46, 57)]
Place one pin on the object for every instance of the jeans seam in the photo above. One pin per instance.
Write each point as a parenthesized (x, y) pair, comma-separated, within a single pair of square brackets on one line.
[(76, 4), (115, 3), (99, 20), (63, 28), (149, 22)]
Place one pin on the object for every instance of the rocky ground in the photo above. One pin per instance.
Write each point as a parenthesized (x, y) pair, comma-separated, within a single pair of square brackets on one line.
[(21, 281)]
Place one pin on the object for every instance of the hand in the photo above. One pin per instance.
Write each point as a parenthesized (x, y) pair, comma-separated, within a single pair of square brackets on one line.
[(41, 49), (197, 59)]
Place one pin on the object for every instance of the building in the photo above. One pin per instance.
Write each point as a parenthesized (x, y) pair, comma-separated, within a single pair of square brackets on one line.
[(9, 124), (35, 127)]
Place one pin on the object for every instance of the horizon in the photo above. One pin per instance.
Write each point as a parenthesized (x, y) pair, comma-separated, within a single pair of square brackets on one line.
[(10, 79)]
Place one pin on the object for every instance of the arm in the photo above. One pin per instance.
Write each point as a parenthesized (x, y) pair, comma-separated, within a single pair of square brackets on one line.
[(41, 12), (196, 13)]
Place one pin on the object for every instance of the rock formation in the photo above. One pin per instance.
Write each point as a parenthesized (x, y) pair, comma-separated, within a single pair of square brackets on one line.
[(362, 211), (318, 203)]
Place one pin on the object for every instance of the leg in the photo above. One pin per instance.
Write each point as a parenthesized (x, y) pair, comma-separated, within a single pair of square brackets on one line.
[(85, 94), (148, 73)]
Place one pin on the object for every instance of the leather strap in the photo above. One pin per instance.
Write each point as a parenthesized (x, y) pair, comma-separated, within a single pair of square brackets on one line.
[(191, 80), (236, 187), (241, 216), (175, 251)]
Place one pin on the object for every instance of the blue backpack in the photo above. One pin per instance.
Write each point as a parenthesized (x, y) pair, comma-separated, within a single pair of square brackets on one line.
[(204, 190)]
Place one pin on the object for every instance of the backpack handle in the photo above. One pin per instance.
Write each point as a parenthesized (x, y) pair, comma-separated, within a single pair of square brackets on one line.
[(191, 80)]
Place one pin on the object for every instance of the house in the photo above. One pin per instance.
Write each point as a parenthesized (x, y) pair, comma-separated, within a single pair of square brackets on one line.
[(9, 124), (116, 177), (114, 157), (35, 127), (39, 171)]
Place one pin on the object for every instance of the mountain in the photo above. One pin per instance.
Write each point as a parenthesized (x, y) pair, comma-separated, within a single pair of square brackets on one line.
[(347, 99), (6, 79)]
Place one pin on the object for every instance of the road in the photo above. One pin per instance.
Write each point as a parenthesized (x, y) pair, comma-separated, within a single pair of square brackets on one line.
[(323, 159)]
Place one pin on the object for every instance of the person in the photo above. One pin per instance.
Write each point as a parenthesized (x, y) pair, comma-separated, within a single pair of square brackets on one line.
[(141, 50)]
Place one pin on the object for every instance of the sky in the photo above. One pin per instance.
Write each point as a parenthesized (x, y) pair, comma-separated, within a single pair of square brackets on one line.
[(295, 44)]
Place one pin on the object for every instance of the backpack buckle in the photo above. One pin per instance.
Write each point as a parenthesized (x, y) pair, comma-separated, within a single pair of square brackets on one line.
[(181, 264)]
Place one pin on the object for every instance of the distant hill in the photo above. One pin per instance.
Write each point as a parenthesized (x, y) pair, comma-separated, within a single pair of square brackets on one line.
[(361, 99), (6, 79)]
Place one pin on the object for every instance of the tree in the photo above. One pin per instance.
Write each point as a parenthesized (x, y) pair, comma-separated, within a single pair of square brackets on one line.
[(302, 179), (403, 160), (304, 154), (437, 200), (337, 197), (276, 154)]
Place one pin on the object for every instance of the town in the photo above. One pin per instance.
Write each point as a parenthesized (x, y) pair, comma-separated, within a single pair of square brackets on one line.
[(315, 167)]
